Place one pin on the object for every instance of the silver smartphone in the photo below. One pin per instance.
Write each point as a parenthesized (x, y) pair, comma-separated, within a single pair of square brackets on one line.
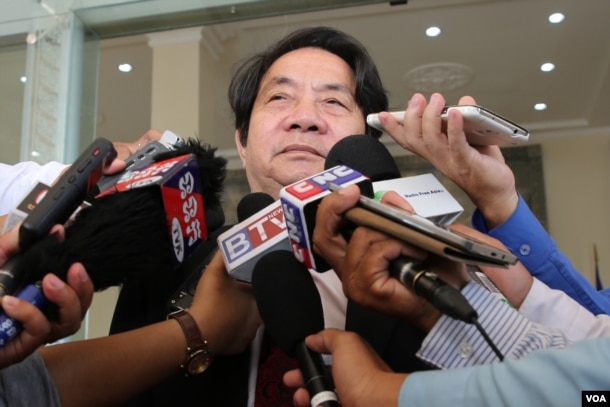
[(426, 234), (482, 126)]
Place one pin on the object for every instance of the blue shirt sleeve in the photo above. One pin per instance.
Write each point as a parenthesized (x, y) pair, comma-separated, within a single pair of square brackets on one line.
[(547, 377), (523, 234)]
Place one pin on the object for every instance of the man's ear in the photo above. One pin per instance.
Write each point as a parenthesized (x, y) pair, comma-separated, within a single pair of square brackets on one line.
[(240, 149)]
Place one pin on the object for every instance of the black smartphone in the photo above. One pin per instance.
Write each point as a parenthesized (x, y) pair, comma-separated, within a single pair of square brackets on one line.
[(425, 234)]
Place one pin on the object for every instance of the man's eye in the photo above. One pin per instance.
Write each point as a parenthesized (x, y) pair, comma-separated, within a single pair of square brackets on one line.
[(335, 102)]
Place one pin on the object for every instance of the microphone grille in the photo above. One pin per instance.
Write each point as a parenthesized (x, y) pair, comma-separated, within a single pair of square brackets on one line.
[(364, 154), (287, 298), (252, 203)]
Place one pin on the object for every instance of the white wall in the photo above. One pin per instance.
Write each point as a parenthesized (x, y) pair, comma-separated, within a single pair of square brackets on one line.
[(576, 173)]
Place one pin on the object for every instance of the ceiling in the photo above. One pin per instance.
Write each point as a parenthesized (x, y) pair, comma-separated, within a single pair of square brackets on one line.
[(499, 43)]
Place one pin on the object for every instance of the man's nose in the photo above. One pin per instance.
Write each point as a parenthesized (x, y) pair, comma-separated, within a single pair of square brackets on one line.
[(306, 118)]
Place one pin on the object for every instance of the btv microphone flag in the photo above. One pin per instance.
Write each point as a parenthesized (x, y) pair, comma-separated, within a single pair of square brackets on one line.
[(244, 243), (300, 202)]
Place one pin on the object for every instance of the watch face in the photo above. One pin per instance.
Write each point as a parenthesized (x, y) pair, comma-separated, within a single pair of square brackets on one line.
[(199, 361)]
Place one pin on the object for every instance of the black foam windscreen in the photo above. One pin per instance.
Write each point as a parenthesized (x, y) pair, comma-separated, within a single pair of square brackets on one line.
[(111, 248), (124, 236), (287, 299), (252, 203), (364, 154)]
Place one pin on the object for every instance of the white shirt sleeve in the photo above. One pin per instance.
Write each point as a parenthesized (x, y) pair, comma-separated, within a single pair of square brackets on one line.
[(17, 180), (555, 309)]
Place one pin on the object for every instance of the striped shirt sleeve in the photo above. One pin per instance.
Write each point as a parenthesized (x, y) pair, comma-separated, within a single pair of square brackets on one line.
[(452, 343)]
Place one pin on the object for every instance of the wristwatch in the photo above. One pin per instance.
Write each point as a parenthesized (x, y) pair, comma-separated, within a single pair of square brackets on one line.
[(198, 354)]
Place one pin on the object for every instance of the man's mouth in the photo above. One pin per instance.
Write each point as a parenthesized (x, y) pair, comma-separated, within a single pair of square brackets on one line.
[(301, 148)]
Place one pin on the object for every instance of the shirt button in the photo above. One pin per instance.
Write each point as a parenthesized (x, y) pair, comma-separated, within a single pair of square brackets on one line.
[(465, 350), (525, 249)]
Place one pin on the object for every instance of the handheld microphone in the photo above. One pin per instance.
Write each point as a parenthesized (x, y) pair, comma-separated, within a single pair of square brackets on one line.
[(146, 228), (291, 309), (428, 285), (371, 155), (428, 197), (251, 203), (364, 154), (263, 231), (300, 200)]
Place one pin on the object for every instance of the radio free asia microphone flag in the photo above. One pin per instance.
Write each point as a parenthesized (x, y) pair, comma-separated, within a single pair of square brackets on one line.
[(425, 193)]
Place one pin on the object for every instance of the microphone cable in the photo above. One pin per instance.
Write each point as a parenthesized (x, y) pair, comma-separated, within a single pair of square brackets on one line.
[(446, 298)]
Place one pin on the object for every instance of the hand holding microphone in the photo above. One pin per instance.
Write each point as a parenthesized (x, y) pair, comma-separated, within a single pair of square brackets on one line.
[(291, 308), (24, 325), (301, 200), (365, 263)]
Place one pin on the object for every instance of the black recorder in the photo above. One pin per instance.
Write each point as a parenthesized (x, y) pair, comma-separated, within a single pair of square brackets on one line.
[(142, 158), (58, 204), (64, 197)]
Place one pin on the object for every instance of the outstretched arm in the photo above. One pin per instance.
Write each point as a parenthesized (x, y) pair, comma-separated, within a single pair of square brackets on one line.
[(111, 369)]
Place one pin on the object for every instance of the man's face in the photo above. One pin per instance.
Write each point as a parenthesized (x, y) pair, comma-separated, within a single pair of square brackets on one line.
[(305, 104)]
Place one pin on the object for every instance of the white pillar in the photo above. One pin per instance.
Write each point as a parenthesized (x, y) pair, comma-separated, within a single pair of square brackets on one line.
[(176, 81)]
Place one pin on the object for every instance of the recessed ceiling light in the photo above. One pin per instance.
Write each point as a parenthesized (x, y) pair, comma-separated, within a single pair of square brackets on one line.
[(433, 31), (31, 39), (35, 153), (556, 18), (125, 67), (23, 79), (540, 106), (547, 67)]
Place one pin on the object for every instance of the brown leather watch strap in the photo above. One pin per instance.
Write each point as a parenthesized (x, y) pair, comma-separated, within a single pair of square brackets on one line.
[(189, 327), (195, 344)]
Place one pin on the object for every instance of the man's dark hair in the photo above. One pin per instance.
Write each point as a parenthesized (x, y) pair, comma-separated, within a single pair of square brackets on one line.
[(370, 95)]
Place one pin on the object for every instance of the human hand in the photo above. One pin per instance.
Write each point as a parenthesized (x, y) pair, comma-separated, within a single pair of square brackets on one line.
[(360, 376), (225, 310), (127, 149), (479, 170), (72, 301), (515, 282), (363, 263)]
